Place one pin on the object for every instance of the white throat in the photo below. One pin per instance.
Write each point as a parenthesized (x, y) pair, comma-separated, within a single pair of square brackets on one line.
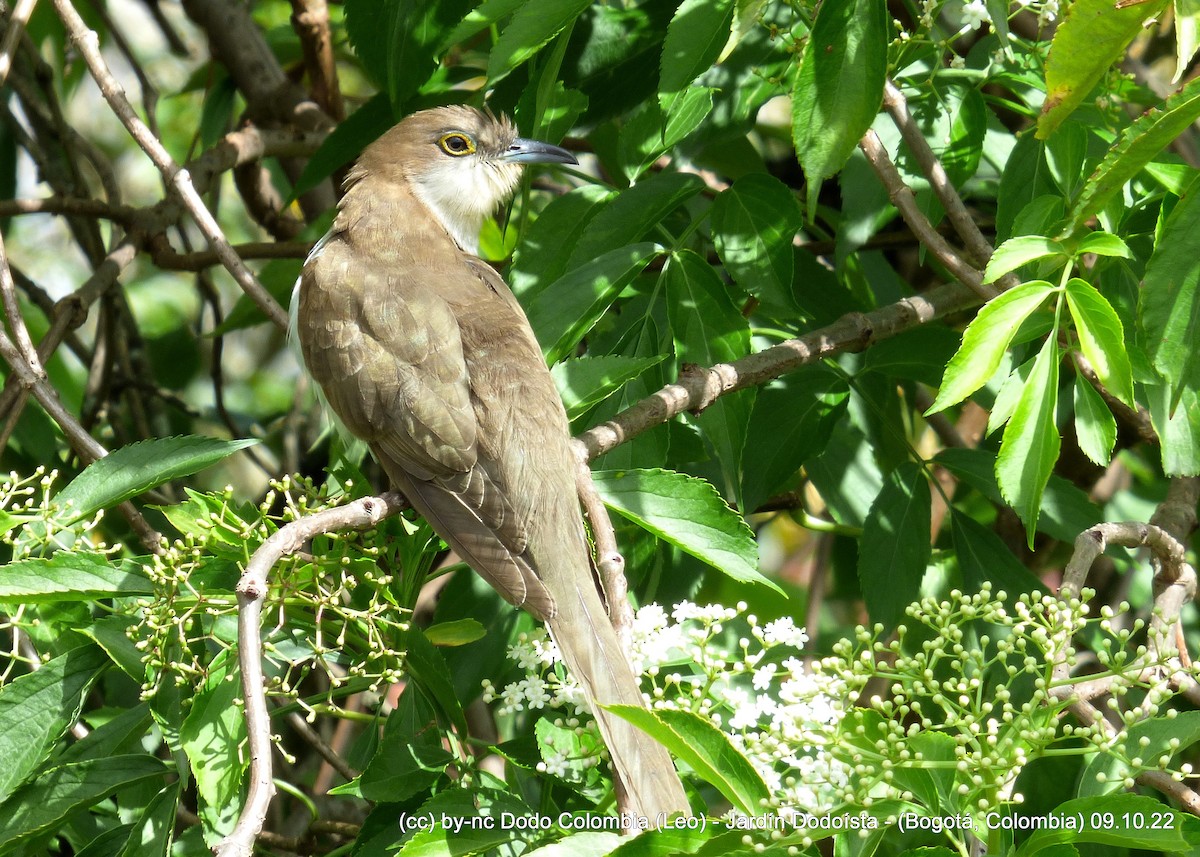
[(461, 194)]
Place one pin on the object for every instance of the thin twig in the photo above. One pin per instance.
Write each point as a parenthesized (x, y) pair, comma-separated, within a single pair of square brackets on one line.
[(905, 201), (895, 104), (252, 588), (176, 178), (610, 564), (14, 27)]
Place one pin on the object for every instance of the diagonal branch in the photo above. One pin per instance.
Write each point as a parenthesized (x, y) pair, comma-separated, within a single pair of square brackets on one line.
[(177, 179)]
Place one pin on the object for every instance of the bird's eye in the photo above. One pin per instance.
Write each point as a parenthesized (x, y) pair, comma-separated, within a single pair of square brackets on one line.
[(457, 144)]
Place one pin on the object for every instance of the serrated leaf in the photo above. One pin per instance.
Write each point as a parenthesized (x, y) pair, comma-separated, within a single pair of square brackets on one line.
[(211, 736), (1031, 440), (984, 558), (985, 341), (43, 804), (1187, 35), (397, 40), (704, 747), (411, 756), (1095, 426), (584, 381), (754, 222), (708, 329), (482, 16), (1104, 244), (1125, 832), (1183, 729), (792, 421), (697, 33), (1019, 251), (688, 513), (1169, 309), (155, 826), (1101, 338), (632, 214), (345, 142), (1178, 429), (138, 467), (1092, 36), (71, 576), (38, 708), (1140, 143), (546, 246), (895, 547), (563, 313), (840, 86), (1066, 510), (531, 27)]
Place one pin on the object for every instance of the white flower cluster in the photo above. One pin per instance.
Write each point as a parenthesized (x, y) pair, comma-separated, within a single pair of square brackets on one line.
[(777, 713)]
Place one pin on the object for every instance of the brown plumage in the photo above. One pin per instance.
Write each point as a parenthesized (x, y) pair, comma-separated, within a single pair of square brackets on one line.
[(422, 351)]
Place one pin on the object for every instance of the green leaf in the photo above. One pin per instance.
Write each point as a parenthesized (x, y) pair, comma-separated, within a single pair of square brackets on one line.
[(651, 131), (1140, 143), (984, 558), (840, 86), (427, 667), (694, 40), (1095, 426), (397, 40), (1092, 36), (1103, 244), (894, 551), (1187, 35), (563, 313), (1169, 312), (460, 632), (633, 214), (138, 467), (38, 708), (708, 330), (985, 341), (688, 513), (1132, 825), (1031, 441), (584, 381), (346, 142), (411, 757), (1101, 338), (587, 844), (1019, 251), (152, 833), (1066, 510), (211, 736), (792, 421), (546, 246), (1159, 732), (705, 748), (754, 222), (531, 27), (43, 804), (122, 734), (482, 16), (71, 576), (1178, 429)]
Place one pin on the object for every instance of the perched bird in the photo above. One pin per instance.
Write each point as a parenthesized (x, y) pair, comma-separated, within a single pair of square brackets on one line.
[(421, 350)]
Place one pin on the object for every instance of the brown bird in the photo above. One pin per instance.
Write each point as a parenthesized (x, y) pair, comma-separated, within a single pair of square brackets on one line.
[(422, 351)]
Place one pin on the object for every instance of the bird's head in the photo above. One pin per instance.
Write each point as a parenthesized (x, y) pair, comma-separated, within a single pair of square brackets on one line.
[(462, 163)]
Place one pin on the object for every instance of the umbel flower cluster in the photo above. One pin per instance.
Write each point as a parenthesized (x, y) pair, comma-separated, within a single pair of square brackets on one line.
[(965, 689)]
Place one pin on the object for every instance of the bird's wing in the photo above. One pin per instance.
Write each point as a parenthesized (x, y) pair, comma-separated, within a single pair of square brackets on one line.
[(387, 352)]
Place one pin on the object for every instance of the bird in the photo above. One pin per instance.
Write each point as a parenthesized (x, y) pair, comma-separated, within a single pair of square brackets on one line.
[(421, 350)]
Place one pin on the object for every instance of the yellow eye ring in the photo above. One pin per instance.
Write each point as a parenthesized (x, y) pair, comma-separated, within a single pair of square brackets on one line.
[(457, 144)]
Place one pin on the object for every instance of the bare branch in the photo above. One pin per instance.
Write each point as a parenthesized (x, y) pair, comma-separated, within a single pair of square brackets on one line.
[(699, 387), (903, 198), (252, 588), (310, 20), (178, 179)]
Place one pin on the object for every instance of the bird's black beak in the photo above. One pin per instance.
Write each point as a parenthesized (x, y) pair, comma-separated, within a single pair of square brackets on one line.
[(536, 152)]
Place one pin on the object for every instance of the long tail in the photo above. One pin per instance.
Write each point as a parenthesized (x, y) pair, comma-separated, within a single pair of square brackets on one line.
[(593, 654)]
